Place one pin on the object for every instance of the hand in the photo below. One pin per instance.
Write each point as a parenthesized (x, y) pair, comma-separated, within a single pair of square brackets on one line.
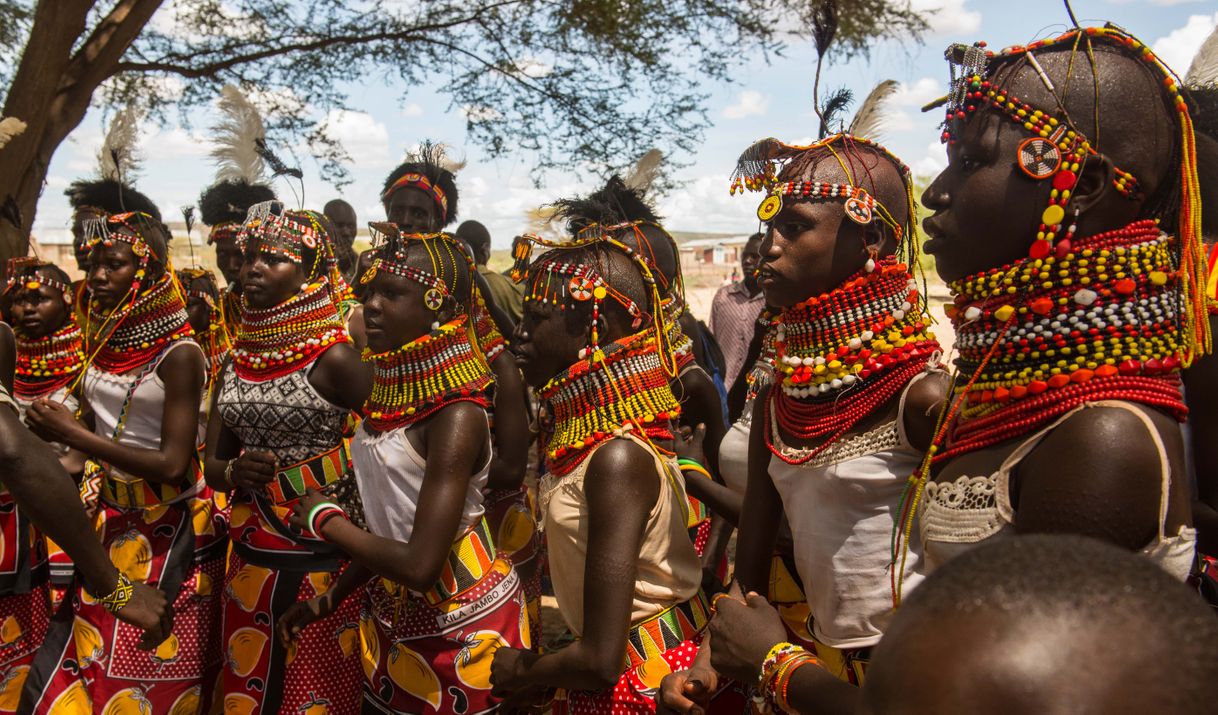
[(300, 615), (150, 610), (688, 445), (299, 517), (687, 692), (254, 470), (52, 421), (743, 633), (508, 668)]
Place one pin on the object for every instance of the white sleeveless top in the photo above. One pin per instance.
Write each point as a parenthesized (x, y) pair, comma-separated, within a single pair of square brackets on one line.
[(669, 572), (389, 472), (107, 393), (959, 515), (842, 506)]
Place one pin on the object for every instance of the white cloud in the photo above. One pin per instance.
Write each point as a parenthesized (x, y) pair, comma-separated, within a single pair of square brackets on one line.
[(705, 204), (917, 93), (175, 143), (948, 17), (1179, 46), (364, 138), (1171, 3), (750, 103), (412, 110), (931, 163)]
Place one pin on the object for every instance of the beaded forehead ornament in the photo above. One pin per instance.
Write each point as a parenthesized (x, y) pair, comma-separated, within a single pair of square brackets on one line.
[(555, 281), (25, 274), (761, 164), (1058, 149), (444, 250), (418, 181), (271, 228)]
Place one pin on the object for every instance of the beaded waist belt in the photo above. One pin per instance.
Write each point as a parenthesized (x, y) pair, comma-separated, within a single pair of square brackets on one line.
[(666, 630), (127, 492), (317, 472)]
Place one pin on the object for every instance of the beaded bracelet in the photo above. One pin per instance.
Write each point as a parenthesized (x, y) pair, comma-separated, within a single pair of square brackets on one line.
[(325, 517), (771, 667), (689, 465), (117, 599), (777, 692), (317, 509)]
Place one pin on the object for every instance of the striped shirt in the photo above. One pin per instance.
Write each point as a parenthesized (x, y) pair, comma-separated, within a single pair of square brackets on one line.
[(733, 313)]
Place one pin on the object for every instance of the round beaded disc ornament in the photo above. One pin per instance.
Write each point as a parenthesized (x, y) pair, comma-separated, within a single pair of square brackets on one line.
[(770, 207), (1039, 158), (857, 210)]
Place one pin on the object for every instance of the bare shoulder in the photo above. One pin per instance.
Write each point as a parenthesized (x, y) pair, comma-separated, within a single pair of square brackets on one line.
[(622, 471)]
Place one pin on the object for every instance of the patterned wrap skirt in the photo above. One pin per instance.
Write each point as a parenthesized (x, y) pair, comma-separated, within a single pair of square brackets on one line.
[(511, 515), (165, 536), (432, 652), (25, 601)]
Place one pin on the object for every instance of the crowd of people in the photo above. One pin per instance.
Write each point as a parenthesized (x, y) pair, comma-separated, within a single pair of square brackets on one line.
[(338, 482)]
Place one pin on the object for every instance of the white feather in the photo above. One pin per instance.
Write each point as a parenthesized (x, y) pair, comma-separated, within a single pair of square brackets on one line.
[(9, 128), (869, 119), (235, 136), (1204, 67), (645, 171), (119, 158), (436, 154)]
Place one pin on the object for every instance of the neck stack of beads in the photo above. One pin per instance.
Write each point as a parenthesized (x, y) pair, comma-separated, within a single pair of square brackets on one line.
[(490, 340), (619, 389), (1041, 336), (49, 363), (418, 379), (682, 344), (282, 339), (841, 355), (127, 337)]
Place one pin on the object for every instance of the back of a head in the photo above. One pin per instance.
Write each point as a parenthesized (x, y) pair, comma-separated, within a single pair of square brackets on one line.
[(109, 196), (475, 234), (1047, 624)]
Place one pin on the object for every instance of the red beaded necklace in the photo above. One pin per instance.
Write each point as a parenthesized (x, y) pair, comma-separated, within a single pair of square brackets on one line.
[(843, 354), (622, 387), (282, 339), (49, 363), (141, 330), (420, 378), (1103, 321)]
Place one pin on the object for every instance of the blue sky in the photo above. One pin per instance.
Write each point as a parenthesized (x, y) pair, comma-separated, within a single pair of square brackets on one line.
[(767, 100)]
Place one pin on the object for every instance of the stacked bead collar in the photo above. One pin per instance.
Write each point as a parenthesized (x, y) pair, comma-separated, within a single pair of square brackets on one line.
[(280, 340), (421, 377), (1041, 336), (141, 331), (841, 355), (49, 363), (619, 389)]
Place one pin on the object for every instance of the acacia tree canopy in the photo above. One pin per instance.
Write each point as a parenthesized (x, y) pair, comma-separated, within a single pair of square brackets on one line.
[(574, 83)]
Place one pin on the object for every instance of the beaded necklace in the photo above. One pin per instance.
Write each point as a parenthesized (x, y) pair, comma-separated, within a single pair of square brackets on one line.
[(1100, 322), (682, 344), (215, 342), (277, 341), (841, 355), (416, 380), (142, 329), (490, 339), (622, 388), (49, 363)]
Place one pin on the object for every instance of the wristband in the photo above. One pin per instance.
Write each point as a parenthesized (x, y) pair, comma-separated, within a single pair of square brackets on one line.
[(317, 509), (769, 666), (120, 596), (692, 466), (786, 672), (324, 518)]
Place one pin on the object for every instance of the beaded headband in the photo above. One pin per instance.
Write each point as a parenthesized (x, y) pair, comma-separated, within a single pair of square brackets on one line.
[(421, 182), (227, 231), (391, 248), (645, 246), (22, 273), (278, 231), (187, 277), (1058, 150), (555, 281), (759, 166)]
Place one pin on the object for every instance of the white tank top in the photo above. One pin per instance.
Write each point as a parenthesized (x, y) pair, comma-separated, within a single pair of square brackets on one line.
[(61, 396), (107, 393), (389, 472), (842, 506), (959, 515)]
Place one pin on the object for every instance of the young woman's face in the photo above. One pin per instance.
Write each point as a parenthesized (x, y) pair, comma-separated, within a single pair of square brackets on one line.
[(395, 313), (39, 312), (229, 260), (546, 341), (198, 312), (809, 248), (112, 272), (413, 210), (268, 278)]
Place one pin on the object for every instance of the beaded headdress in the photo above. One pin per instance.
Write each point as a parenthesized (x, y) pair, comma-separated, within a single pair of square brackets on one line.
[(1057, 150), (25, 273), (215, 343), (294, 235), (759, 167), (415, 380), (558, 282)]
